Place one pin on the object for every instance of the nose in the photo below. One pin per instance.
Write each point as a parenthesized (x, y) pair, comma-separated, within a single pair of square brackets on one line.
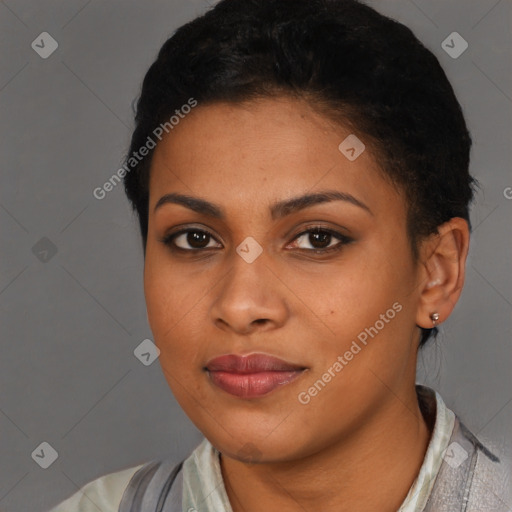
[(250, 297)]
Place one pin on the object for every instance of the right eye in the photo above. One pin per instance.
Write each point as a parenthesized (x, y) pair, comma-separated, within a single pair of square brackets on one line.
[(197, 239)]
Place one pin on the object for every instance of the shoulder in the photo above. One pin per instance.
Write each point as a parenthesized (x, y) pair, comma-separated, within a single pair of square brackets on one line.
[(103, 493), (491, 487)]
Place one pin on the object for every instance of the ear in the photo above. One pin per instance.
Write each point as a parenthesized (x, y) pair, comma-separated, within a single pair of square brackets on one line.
[(442, 271)]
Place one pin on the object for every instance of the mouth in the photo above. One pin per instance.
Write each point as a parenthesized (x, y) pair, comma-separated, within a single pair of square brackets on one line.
[(251, 376)]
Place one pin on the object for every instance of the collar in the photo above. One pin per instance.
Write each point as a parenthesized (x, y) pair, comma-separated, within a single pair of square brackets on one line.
[(434, 410)]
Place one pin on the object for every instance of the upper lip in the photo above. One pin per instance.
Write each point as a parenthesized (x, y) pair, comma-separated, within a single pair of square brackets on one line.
[(252, 363)]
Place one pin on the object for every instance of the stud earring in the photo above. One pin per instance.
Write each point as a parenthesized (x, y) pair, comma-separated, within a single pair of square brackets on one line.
[(434, 317)]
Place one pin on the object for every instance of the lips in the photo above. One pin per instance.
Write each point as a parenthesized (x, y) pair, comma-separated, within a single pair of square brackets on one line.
[(251, 376)]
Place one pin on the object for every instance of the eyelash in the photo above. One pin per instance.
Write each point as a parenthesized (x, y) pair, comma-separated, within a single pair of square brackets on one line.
[(168, 240)]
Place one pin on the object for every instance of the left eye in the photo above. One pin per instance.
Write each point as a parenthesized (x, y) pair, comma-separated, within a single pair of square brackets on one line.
[(321, 240)]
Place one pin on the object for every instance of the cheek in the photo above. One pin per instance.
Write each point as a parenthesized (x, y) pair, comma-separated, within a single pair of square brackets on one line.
[(173, 317), (170, 301), (369, 298)]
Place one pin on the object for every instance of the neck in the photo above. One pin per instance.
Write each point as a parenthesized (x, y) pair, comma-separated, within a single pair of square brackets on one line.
[(373, 470)]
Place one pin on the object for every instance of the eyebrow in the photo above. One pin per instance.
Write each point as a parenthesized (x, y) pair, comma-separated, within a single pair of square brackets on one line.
[(278, 209)]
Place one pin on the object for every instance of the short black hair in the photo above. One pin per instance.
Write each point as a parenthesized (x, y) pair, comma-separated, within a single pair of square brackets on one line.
[(353, 64)]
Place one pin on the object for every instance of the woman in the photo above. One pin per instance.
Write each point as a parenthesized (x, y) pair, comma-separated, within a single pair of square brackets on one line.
[(300, 173)]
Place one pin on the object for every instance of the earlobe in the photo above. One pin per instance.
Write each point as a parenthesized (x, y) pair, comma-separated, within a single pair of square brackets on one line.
[(442, 272)]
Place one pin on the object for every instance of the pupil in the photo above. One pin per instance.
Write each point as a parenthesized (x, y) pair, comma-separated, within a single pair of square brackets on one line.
[(196, 239), (321, 237)]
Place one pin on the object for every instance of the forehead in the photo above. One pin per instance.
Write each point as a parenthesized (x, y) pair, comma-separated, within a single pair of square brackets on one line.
[(263, 151)]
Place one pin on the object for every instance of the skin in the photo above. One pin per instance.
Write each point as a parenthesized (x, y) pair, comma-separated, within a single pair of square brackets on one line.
[(360, 442)]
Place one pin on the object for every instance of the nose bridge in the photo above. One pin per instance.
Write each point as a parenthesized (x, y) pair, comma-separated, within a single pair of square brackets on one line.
[(249, 292)]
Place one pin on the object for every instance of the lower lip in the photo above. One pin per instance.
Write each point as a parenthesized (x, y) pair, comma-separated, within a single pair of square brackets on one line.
[(252, 385)]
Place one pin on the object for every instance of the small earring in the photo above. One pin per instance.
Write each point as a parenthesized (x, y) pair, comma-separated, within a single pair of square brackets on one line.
[(434, 317)]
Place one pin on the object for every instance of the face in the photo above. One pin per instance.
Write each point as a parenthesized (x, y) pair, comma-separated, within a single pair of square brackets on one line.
[(282, 322)]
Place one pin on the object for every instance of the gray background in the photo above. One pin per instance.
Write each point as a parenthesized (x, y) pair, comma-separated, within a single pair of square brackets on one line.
[(70, 321)]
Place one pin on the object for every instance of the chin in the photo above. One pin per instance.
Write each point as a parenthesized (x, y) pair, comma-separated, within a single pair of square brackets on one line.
[(252, 441)]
